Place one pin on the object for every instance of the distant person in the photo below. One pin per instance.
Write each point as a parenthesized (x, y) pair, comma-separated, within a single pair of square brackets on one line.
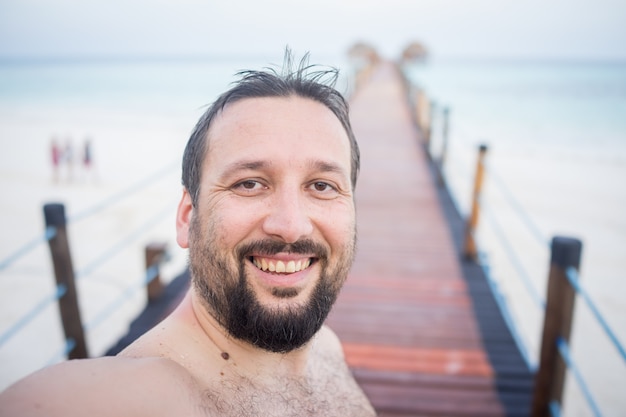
[(55, 158), (87, 154), (68, 159), (268, 215), (87, 159)]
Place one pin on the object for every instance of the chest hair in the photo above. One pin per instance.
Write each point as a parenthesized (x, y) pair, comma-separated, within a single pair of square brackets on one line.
[(329, 391)]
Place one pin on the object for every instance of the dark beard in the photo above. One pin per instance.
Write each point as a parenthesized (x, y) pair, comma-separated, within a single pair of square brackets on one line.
[(232, 302)]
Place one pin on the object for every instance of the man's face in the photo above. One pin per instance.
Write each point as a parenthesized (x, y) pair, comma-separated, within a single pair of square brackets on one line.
[(272, 237)]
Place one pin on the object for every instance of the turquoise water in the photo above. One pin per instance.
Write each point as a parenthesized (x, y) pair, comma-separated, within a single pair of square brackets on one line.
[(575, 105), (146, 85)]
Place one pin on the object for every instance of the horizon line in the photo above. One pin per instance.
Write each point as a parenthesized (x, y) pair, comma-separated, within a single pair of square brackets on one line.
[(35, 59)]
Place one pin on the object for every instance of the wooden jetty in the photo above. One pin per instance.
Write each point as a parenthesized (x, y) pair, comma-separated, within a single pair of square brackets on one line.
[(419, 325)]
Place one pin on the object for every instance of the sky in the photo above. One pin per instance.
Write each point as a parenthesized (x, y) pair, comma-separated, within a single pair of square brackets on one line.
[(517, 29)]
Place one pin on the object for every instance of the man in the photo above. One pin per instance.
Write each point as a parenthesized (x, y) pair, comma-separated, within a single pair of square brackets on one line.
[(268, 215)]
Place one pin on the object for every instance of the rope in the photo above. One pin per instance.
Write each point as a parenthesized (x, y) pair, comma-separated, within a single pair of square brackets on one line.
[(106, 312), (462, 172), (555, 409), (122, 194), (523, 215), (506, 314), (49, 233), (69, 346), (34, 312), (61, 289), (499, 298), (572, 275), (115, 249), (565, 354), (515, 260)]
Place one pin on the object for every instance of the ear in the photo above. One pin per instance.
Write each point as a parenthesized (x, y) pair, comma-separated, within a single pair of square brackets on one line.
[(183, 220)]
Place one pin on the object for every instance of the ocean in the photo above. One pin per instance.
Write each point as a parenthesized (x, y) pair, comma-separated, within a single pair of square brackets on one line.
[(556, 134)]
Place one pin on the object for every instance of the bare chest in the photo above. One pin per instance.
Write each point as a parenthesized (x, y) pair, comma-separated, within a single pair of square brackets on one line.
[(337, 396)]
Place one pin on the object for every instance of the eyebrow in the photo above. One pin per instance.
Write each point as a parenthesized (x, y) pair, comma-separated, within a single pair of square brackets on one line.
[(324, 166), (243, 166), (256, 165)]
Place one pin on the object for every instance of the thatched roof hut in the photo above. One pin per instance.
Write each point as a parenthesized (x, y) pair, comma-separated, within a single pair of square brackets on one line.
[(363, 52), (414, 51)]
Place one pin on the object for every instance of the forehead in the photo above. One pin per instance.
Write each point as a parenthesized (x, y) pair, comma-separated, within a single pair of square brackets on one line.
[(281, 129)]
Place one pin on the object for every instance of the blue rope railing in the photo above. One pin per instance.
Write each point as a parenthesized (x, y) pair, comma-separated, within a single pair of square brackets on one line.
[(48, 234), (127, 240), (462, 172), (151, 273), (505, 311), (571, 273), (62, 353), (50, 231), (513, 257), (32, 313), (571, 365), (517, 207), (555, 409), (572, 277), (122, 194)]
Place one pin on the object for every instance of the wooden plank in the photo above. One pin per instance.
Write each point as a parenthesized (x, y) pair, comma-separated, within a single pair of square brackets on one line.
[(423, 360), (406, 317)]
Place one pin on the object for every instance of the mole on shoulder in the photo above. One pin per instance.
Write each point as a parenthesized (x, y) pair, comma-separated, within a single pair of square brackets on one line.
[(225, 356)]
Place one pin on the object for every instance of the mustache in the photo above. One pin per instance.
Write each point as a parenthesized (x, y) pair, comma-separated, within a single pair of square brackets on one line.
[(272, 247)]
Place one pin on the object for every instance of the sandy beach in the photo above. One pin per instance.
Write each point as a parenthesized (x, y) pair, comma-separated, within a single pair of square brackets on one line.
[(123, 156)]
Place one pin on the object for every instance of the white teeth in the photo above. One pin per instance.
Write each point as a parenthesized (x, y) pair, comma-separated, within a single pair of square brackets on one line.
[(280, 266)]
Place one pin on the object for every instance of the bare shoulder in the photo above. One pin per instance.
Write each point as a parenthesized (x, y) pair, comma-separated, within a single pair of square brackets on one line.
[(339, 379), (101, 387), (328, 341)]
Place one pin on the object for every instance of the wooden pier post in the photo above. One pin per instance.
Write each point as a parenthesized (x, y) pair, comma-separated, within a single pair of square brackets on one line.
[(444, 144), (54, 215), (154, 254), (422, 116), (550, 377), (470, 249)]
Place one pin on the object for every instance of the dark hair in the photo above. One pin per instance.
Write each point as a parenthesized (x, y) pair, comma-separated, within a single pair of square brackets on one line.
[(318, 85)]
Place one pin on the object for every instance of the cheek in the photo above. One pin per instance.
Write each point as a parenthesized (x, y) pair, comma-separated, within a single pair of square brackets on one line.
[(234, 221), (338, 225)]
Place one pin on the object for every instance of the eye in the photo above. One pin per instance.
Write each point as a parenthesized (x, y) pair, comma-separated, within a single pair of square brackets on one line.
[(248, 187), (249, 184), (321, 186), (323, 189)]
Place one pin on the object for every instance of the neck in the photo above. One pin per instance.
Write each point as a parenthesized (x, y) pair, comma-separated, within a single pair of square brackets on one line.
[(247, 359)]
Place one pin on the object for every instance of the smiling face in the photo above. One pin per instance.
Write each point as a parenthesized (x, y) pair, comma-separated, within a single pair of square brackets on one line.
[(272, 237)]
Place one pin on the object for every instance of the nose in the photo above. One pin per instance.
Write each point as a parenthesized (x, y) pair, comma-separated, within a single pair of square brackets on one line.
[(288, 218)]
